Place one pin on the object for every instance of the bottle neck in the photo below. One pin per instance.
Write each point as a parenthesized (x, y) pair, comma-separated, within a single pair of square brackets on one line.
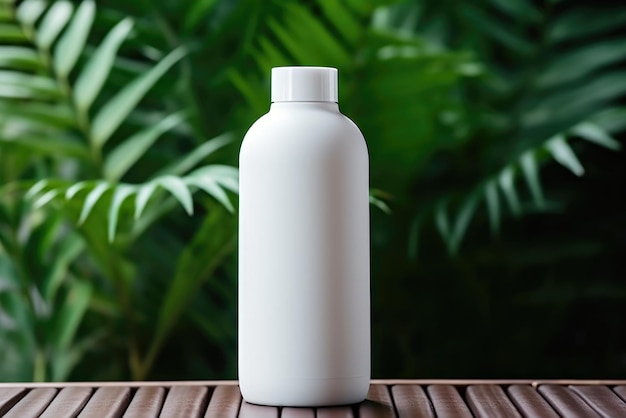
[(327, 106)]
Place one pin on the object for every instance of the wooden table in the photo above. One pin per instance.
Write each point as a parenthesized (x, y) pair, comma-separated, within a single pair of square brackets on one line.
[(386, 398)]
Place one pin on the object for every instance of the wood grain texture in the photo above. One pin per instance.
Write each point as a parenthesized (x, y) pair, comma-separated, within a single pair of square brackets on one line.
[(383, 401), (33, 404), (499, 382), (530, 403), (185, 401), (9, 397), (602, 399), (335, 412), (423, 382), (448, 402), (378, 403), (225, 402), (107, 402), (67, 403), (490, 401), (146, 403), (411, 402), (249, 410), (566, 402)]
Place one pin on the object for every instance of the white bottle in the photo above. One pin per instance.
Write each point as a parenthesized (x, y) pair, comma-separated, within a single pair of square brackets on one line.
[(304, 278)]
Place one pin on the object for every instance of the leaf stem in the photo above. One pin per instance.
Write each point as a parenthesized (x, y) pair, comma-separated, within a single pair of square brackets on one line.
[(39, 373), (127, 309)]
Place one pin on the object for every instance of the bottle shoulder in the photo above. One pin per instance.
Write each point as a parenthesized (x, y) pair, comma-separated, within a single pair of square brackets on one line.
[(274, 137), (303, 123)]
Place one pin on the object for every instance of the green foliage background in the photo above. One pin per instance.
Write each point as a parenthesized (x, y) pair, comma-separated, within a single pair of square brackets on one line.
[(493, 127)]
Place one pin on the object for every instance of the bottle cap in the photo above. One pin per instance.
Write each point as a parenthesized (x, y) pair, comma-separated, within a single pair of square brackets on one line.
[(304, 84)]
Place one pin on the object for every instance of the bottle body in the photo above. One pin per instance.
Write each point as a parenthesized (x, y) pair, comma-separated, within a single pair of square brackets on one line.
[(304, 301)]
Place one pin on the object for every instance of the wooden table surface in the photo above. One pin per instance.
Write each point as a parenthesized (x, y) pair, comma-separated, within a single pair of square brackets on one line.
[(386, 398)]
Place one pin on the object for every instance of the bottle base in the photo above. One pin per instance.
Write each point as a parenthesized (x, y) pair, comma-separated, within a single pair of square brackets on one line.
[(305, 392)]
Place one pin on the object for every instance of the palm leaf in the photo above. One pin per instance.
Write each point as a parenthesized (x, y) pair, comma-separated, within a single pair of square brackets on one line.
[(528, 166), (212, 188), (29, 11), (376, 65), (72, 42), (213, 180), (563, 154), (97, 69), (11, 33), (16, 84), (64, 31), (119, 196), (126, 154), (116, 110), (18, 57), (594, 133), (192, 159), (539, 95), (60, 119), (53, 23), (92, 198)]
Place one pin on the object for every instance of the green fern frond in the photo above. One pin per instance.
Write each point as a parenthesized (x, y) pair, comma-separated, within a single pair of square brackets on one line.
[(48, 96), (551, 75), (40, 73), (503, 185), (214, 180), (377, 199), (392, 69)]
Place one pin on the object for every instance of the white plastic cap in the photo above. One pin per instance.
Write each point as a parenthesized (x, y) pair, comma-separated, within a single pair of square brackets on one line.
[(304, 84)]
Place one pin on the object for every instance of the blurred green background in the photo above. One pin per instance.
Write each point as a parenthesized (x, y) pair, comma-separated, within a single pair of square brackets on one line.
[(498, 185)]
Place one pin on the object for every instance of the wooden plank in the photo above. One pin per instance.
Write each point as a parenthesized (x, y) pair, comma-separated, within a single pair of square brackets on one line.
[(566, 402), (107, 402), (490, 401), (447, 402), (249, 410), (146, 403), (604, 401), (335, 412), (68, 403), (9, 397), (297, 413), (185, 401), (530, 403), (135, 384), (411, 402), (225, 402), (469, 382), (422, 382), (33, 404), (378, 403)]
